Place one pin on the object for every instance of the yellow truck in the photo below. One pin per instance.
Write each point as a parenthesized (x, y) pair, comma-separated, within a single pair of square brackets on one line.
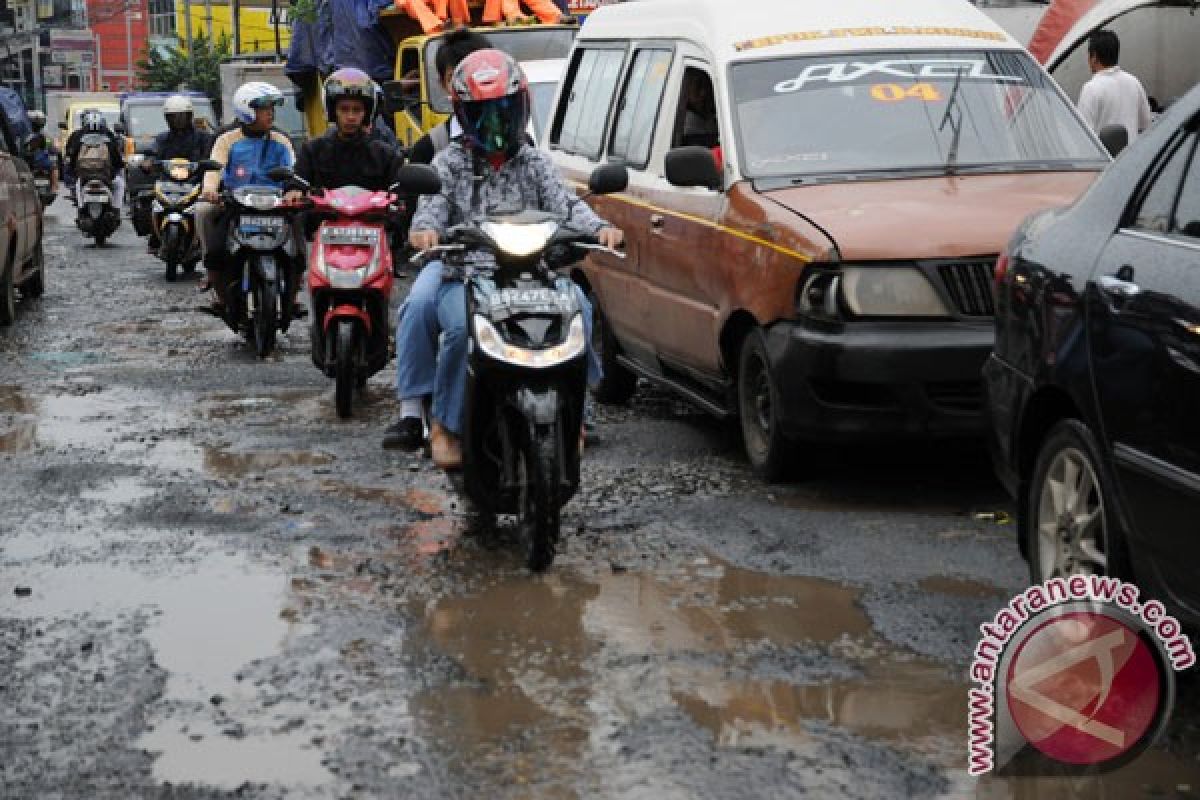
[(415, 96)]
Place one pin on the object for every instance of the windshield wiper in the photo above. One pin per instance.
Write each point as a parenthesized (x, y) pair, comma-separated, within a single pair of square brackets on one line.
[(953, 118)]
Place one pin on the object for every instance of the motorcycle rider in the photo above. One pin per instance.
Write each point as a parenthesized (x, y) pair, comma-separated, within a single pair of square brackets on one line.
[(43, 156), (93, 122), (491, 168), (415, 374), (247, 152), (181, 139)]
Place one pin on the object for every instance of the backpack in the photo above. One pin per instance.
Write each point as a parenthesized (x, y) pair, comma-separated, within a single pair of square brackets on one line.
[(93, 159)]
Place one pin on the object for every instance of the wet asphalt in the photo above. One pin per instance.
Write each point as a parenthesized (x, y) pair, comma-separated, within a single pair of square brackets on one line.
[(210, 586)]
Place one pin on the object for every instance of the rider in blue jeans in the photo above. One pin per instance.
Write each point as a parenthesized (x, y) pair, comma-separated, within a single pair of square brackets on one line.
[(491, 168)]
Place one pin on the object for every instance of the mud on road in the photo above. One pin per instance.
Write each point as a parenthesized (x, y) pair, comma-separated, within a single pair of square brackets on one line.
[(210, 586)]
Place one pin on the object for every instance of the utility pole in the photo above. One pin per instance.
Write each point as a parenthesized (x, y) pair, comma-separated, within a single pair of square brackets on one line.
[(99, 67), (208, 20), (128, 47), (235, 23), (187, 27)]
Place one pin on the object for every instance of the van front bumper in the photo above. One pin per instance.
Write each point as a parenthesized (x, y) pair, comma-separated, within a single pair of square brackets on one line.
[(877, 380)]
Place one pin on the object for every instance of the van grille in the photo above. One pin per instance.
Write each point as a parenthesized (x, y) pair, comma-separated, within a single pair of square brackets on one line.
[(969, 285)]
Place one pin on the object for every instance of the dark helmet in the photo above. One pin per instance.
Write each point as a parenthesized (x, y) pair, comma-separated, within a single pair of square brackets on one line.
[(38, 120), (491, 101), (350, 82)]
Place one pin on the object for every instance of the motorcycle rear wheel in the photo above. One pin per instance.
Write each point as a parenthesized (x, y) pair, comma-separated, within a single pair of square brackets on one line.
[(539, 514), (344, 370), (264, 321)]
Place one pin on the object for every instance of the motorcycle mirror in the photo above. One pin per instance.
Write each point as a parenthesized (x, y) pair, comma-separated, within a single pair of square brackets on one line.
[(281, 174), (209, 165), (608, 179), (418, 179)]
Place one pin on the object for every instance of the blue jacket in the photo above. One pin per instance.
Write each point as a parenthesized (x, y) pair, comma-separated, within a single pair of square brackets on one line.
[(248, 158)]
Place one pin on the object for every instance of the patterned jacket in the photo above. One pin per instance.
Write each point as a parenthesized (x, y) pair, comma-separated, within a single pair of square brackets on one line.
[(527, 181)]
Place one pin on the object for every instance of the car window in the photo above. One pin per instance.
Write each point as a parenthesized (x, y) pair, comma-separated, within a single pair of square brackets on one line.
[(1154, 214), (696, 117), (1187, 210), (593, 84), (639, 106)]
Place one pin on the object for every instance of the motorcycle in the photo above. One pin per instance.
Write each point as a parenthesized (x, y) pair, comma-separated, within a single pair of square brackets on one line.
[(350, 277), (260, 245), (39, 158), (172, 212), (97, 216), (526, 366)]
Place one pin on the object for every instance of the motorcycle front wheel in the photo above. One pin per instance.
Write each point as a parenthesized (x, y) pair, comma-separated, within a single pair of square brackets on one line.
[(344, 373), (264, 320), (539, 511)]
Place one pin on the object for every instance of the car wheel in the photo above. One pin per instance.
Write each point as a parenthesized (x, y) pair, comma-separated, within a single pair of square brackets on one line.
[(8, 296), (35, 284), (1073, 526), (618, 383), (758, 409)]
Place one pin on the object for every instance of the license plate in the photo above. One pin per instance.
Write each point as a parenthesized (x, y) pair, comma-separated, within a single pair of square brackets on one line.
[(530, 300), (351, 236), (260, 223)]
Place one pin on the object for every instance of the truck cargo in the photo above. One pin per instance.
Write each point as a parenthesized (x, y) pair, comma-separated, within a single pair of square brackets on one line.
[(289, 118)]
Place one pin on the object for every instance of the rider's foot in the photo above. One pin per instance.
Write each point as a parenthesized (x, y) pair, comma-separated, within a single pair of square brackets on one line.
[(447, 450), (408, 433)]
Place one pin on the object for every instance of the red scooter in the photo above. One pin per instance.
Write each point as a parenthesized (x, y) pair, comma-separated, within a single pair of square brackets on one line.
[(349, 283)]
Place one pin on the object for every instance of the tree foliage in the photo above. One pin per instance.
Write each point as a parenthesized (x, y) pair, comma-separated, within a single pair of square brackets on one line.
[(174, 71)]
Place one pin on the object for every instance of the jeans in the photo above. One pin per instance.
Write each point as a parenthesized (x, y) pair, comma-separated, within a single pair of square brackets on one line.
[(435, 306)]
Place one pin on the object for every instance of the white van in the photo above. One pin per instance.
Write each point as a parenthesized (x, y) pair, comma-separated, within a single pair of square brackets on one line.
[(818, 192)]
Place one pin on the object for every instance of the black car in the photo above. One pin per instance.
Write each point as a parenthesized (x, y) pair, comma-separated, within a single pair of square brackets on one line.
[(1093, 390)]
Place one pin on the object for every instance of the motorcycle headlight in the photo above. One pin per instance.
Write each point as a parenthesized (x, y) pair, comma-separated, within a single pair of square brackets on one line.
[(258, 200), (890, 292), (178, 172), (520, 240), (494, 346)]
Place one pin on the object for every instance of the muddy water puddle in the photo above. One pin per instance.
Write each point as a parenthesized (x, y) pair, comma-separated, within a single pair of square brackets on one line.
[(205, 622)]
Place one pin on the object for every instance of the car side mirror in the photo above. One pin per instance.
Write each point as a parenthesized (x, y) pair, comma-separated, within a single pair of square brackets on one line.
[(119, 129), (693, 166), (401, 95), (608, 179), (281, 174), (1115, 138), (418, 179)]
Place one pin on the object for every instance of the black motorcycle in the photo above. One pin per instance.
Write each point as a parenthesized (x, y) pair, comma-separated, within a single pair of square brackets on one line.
[(261, 245), (173, 212), (526, 368), (35, 146)]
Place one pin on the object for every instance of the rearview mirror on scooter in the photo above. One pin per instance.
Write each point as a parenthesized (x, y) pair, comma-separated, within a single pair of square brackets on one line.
[(210, 165), (281, 174), (417, 179)]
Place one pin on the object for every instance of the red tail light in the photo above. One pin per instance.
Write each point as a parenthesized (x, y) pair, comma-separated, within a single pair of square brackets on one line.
[(1001, 268)]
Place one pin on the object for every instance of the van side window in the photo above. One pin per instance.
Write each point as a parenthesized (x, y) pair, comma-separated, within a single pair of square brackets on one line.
[(639, 106), (696, 117), (593, 82)]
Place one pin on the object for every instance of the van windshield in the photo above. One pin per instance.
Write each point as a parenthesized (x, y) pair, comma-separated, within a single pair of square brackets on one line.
[(891, 112), (522, 43)]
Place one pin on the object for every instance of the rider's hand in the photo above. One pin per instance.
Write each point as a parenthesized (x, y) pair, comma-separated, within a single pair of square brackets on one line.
[(209, 196), (293, 196), (610, 237), (423, 240)]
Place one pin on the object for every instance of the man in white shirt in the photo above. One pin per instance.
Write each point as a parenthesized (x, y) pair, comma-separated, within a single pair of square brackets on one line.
[(1112, 96)]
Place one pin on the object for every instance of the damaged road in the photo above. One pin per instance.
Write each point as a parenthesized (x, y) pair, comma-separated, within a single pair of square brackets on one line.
[(212, 587)]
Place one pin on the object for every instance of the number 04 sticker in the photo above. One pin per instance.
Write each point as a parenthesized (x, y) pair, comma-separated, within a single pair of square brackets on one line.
[(895, 93)]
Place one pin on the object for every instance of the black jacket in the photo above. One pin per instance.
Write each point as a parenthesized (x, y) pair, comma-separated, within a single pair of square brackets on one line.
[(330, 162), (191, 144)]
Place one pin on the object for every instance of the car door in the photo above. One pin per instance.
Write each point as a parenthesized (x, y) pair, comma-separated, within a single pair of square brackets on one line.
[(683, 238), (1144, 347), (16, 196)]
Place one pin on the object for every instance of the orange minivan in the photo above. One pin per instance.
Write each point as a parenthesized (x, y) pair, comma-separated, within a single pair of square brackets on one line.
[(817, 195)]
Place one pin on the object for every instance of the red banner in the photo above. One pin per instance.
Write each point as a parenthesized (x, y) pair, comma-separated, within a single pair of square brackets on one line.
[(1057, 20)]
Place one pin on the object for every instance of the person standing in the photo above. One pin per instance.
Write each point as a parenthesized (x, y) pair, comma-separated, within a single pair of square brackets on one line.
[(1112, 96)]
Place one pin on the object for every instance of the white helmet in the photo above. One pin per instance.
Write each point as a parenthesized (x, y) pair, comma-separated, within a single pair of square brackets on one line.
[(178, 104), (93, 120), (252, 96)]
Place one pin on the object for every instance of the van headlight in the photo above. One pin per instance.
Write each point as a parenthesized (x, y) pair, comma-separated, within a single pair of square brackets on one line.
[(494, 346), (520, 240), (890, 292)]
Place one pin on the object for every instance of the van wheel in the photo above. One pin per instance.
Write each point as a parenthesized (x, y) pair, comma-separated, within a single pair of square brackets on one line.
[(35, 284), (618, 383), (8, 296), (758, 409)]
